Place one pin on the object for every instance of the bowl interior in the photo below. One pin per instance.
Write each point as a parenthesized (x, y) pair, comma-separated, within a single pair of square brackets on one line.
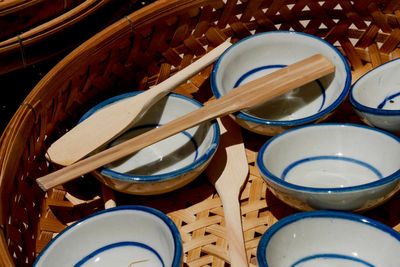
[(261, 54), (379, 88), (177, 153), (329, 239), (330, 156), (116, 237)]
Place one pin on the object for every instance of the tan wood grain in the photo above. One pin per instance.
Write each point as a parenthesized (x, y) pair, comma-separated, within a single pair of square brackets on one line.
[(244, 96), (228, 172), (112, 120)]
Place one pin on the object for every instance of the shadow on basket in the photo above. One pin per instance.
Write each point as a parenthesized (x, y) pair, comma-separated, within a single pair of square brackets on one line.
[(145, 49)]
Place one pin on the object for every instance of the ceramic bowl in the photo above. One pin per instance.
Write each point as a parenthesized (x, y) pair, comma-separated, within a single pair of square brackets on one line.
[(344, 167), (376, 97), (328, 238), (166, 165), (264, 53), (119, 236)]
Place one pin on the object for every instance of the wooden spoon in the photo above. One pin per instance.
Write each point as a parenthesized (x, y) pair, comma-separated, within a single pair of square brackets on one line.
[(228, 171), (241, 97), (110, 121)]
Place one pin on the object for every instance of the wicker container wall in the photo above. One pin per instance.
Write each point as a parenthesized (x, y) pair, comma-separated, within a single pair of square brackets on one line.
[(19, 15), (139, 51), (23, 46)]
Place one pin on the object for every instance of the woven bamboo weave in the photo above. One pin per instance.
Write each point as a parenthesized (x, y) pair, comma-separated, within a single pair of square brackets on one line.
[(144, 49)]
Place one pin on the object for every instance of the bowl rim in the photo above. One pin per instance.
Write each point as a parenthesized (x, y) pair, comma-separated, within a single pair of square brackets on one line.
[(271, 231), (363, 108), (178, 253), (330, 108), (273, 178), (164, 176)]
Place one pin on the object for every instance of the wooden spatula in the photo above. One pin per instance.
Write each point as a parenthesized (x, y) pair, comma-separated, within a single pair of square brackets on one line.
[(244, 96), (112, 120), (228, 171)]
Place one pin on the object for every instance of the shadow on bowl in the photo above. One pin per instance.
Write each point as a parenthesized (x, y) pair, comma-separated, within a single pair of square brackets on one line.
[(376, 97), (333, 166), (263, 53), (168, 164)]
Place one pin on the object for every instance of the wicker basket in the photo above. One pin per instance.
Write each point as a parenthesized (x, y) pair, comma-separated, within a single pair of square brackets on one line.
[(139, 51), (28, 43), (19, 15)]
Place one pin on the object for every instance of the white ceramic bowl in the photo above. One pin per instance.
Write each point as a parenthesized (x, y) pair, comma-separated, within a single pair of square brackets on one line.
[(332, 166), (264, 53), (119, 236), (328, 238), (166, 165), (376, 96)]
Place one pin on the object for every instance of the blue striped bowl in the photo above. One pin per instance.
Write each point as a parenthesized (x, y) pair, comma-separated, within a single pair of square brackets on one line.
[(168, 164), (375, 96), (332, 166), (263, 53), (122, 236), (328, 238)]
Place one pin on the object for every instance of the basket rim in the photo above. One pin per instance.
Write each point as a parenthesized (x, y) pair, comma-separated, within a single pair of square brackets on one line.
[(11, 4), (13, 49), (66, 67), (46, 29)]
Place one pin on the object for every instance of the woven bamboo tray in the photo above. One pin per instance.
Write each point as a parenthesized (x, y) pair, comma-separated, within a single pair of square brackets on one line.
[(19, 15), (142, 50), (64, 31)]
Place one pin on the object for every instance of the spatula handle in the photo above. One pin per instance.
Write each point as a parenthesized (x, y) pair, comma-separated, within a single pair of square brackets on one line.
[(190, 70), (244, 96), (112, 120), (234, 232)]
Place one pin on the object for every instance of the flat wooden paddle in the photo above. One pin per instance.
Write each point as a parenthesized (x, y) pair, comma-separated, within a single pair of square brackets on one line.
[(241, 97), (112, 120), (227, 172)]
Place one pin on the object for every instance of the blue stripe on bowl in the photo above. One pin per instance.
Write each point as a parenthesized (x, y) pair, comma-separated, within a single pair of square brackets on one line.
[(388, 99), (305, 120), (178, 249), (135, 177), (264, 171), (271, 231), (255, 70), (162, 177), (332, 256), (329, 157), (321, 86), (376, 111), (117, 245)]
